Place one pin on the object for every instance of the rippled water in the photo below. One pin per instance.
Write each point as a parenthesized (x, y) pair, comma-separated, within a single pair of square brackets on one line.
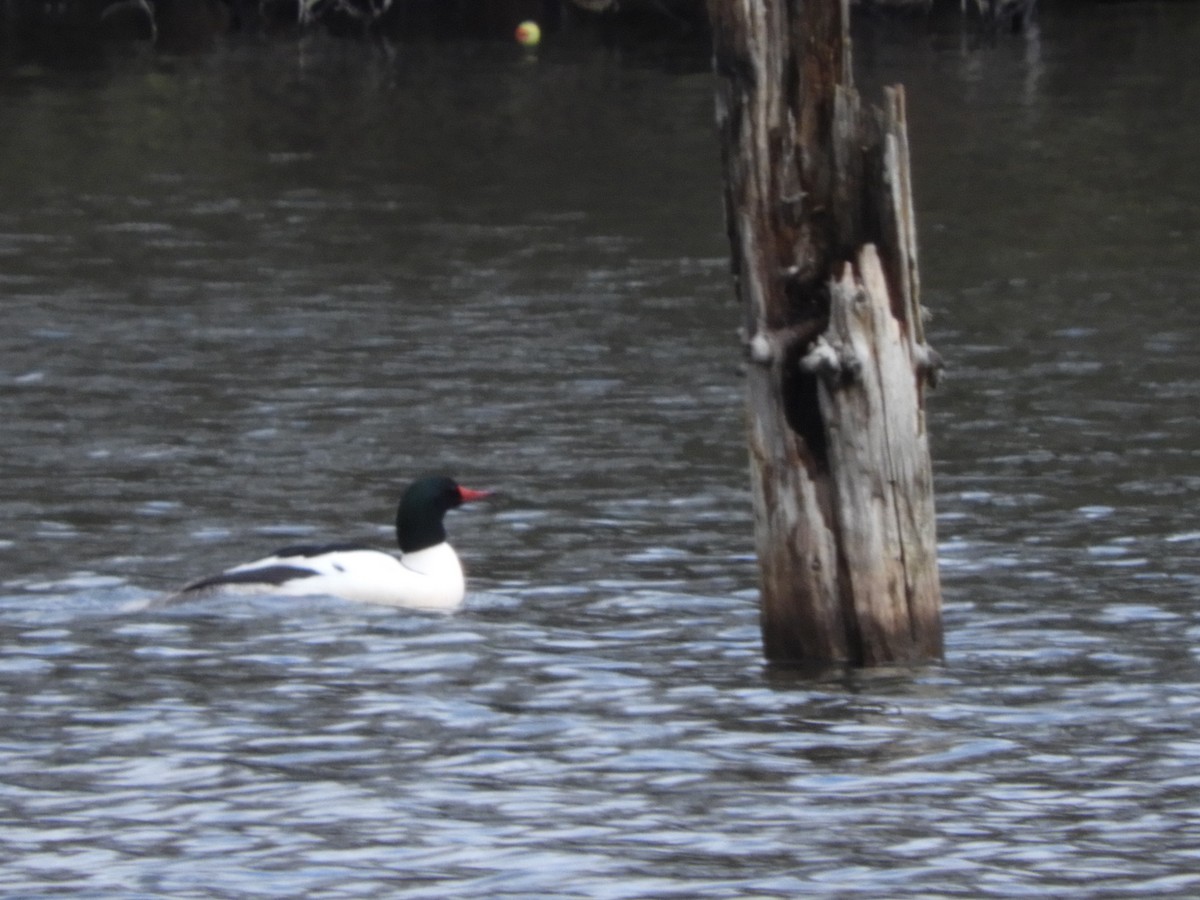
[(228, 329)]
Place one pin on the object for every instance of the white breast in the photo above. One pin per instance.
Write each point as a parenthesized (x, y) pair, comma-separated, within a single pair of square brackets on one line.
[(427, 579)]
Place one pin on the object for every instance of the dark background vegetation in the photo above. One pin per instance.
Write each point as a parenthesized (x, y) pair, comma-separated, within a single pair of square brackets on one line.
[(66, 27)]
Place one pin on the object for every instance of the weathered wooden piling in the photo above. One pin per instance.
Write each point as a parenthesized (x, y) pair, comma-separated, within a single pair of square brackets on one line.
[(820, 219)]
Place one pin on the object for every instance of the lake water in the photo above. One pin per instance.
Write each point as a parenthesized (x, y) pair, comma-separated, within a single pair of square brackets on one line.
[(247, 295)]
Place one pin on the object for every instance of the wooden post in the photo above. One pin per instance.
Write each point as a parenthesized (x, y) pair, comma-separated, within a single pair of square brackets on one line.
[(820, 219)]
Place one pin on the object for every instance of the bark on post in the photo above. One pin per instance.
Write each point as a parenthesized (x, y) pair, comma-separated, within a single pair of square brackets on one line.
[(819, 211)]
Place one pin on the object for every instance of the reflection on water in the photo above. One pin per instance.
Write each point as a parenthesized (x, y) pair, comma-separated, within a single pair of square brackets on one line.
[(255, 322)]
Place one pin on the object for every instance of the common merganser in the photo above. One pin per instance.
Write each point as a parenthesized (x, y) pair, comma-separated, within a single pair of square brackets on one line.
[(427, 575)]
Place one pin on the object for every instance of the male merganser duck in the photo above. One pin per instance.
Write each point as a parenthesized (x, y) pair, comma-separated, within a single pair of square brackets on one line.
[(427, 575)]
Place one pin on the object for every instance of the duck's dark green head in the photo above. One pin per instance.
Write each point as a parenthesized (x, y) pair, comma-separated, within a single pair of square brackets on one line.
[(422, 508)]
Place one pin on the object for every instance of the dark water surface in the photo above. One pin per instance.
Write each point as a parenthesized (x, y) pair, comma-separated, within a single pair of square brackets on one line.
[(246, 296)]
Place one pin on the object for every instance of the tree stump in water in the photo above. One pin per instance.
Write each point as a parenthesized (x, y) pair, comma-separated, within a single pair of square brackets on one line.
[(819, 212)]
